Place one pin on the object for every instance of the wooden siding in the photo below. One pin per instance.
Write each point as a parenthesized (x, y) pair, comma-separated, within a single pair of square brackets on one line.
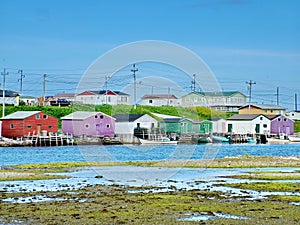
[(30, 125)]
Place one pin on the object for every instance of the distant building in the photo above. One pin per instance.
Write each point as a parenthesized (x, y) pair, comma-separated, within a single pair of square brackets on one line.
[(25, 123), (66, 96), (160, 99), (264, 109), (11, 97), (228, 101), (88, 123), (249, 124), (103, 97), (29, 100), (294, 115)]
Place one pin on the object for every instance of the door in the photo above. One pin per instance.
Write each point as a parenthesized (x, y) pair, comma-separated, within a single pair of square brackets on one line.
[(257, 128), (38, 129), (229, 127)]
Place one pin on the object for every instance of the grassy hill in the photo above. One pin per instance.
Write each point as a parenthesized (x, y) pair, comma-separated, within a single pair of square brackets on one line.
[(194, 113)]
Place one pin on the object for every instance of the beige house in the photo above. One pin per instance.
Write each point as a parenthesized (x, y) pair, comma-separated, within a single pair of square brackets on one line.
[(263, 109), (228, 101)]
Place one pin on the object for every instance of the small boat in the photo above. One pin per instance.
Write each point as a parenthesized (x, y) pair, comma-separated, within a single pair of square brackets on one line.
[(219, 139), (294, 138), (204, 140), (161, 141)]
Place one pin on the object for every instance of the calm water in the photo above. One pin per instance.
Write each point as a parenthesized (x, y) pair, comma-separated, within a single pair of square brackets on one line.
[(24, 155)]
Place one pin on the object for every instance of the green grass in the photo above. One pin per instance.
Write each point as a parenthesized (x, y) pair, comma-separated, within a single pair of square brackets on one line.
[(297, 126)]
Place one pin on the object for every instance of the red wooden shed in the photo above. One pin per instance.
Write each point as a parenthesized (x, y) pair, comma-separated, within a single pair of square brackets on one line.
[(24, 123)]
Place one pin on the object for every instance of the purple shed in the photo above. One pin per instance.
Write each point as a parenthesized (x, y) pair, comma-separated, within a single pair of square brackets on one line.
[(88, 123), (280, 124)]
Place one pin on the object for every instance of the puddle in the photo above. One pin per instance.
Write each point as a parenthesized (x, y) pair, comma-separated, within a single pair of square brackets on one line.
[(40, 198), (295, 203), (204, 216)]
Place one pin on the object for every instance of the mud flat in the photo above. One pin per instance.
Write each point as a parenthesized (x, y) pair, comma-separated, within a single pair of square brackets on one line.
[(222, 194)]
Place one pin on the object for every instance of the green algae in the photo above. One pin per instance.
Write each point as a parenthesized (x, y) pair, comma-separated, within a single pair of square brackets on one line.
[(114, 205), (267, 186)]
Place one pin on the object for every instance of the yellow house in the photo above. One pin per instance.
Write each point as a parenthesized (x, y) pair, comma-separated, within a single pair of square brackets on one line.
[(262, 109)]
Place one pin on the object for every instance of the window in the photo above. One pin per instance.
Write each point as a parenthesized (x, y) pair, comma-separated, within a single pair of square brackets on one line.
[(265, 125), (272, 110), (87, 126), (107, 125), (29, 127), (109, 99), (11, 126), (284, 119), (37, 116), (96, 116), (261, 118), (150, 101), (45, 116), (266, 110), (138, 124), (50, 127), (101, 117), (293, 114)]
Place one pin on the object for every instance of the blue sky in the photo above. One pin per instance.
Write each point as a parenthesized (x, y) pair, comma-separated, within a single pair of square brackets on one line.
[(240, 40)]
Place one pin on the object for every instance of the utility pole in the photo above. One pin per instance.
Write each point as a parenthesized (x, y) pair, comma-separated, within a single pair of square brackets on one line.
[(296, 104), (3, 91), (277, 95), (168, 95), (45, 75), (106, 77), (134, 70), (250, 83), (193, 86), (21, 80)]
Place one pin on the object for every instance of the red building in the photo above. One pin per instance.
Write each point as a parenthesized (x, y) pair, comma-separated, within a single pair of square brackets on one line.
[(24, 123)]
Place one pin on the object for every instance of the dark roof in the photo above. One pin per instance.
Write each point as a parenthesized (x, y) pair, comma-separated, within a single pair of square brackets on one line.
[(127, 117), (102, 92), (220, 93), (244, 116), (171, 120), (174, 120), (164, 96), (9, 93)]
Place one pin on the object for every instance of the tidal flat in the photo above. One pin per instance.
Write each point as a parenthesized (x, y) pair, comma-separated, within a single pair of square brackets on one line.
[(193, 194)]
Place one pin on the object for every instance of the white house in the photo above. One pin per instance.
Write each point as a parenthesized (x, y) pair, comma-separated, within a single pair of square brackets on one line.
[(125, 123), (160, 99), (11, 97), (68, 96), (249, 124), (294, 115), (103, 97), (229, 101)]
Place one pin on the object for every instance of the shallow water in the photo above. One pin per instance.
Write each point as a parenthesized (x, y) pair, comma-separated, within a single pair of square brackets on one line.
[(121, 153)]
